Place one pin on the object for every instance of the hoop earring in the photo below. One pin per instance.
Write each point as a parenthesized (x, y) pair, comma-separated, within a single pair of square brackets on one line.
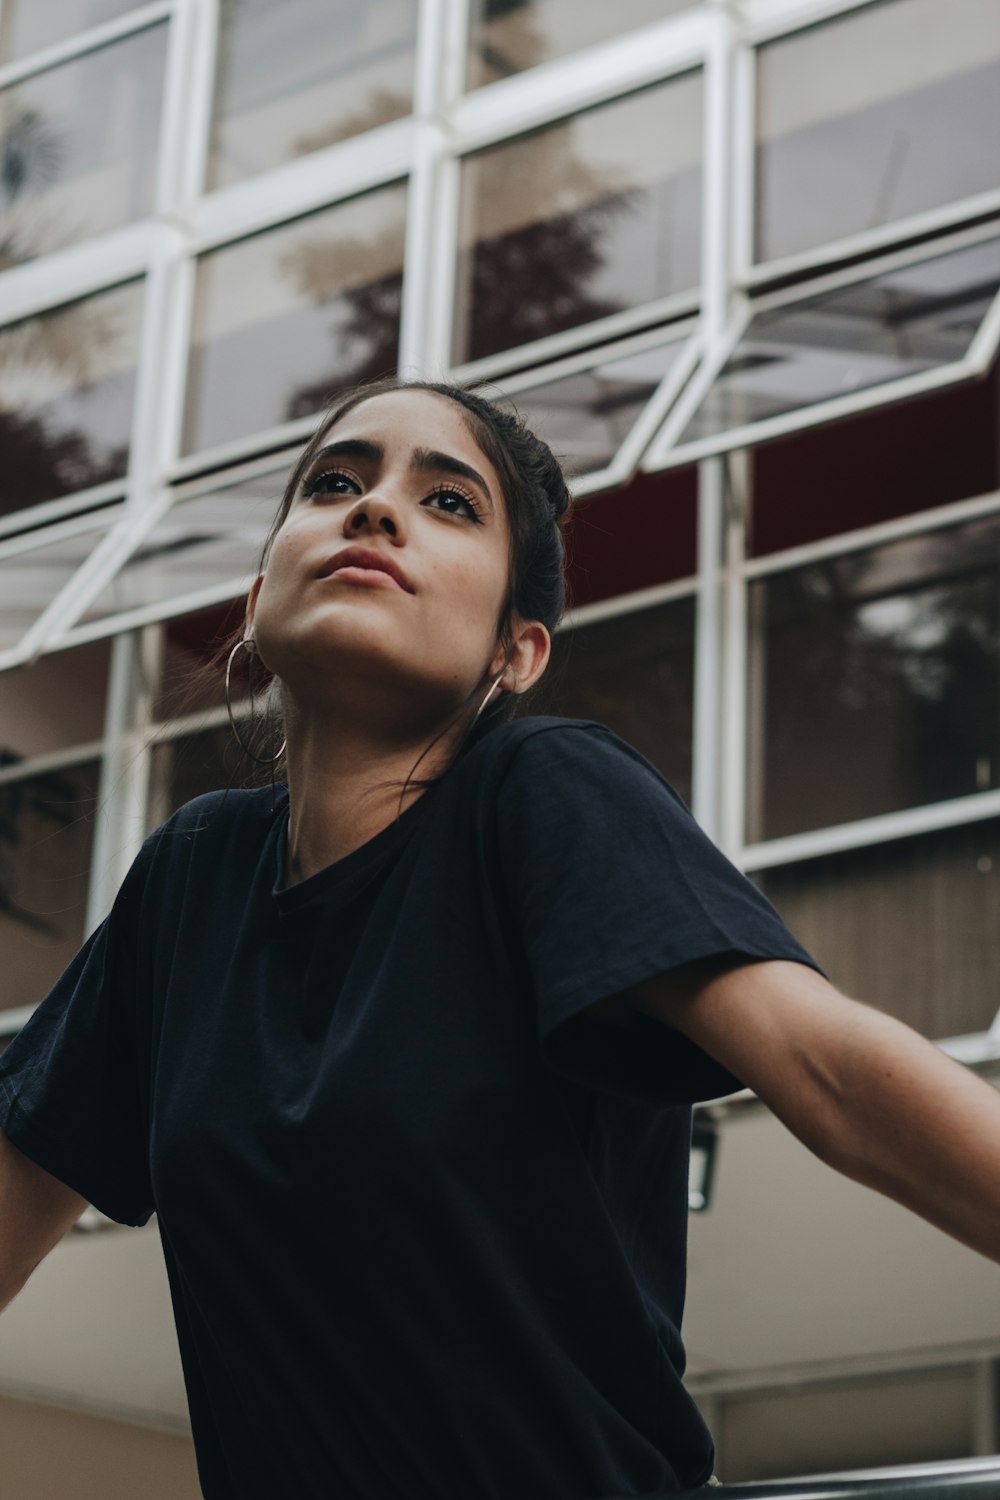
[(493, 687), (262, 760)]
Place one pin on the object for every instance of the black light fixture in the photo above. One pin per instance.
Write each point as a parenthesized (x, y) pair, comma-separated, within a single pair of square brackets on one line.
[(704, 1141)]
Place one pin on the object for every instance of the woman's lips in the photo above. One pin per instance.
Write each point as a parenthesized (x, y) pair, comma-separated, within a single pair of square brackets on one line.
[(359, 565)]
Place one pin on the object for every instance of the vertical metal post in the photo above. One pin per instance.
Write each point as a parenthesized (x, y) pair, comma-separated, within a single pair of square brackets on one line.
[(121, 814), (432, 204), (710, 617)]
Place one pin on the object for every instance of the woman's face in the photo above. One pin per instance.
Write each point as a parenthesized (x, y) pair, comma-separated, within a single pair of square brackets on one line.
[(384, 586)]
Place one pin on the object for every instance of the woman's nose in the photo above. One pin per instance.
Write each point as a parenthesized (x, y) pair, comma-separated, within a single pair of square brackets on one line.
[(374, 513)]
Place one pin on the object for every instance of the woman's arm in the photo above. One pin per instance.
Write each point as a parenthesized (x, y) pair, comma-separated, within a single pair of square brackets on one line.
[(35, 1212), (864, 1092)]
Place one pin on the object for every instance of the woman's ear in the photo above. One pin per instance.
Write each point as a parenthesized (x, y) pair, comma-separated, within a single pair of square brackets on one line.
[(529, 656), (252, 604)]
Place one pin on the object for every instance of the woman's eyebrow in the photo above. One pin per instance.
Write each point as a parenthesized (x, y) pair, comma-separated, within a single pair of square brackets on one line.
[(352, 448), (431, 459)]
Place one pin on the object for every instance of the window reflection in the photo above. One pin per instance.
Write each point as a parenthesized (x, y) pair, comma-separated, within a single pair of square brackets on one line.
[(874, 681), (192, 675), (78, 145), (908, 926), (29, 25), (884, 113), (56, 702), (46, 836), (66, 382), (506, 36), (38, 566), (634, 673), (190, 764), (285, 319), (296, 75), (580, 220)]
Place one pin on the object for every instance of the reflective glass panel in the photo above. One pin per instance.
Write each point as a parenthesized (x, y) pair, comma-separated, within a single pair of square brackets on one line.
[(586, 417), (30, 579), (876, 116), (634, 537), (56, 702), (507, 36), (193, 672), (295, 75), (285, 319), (862, 336), (910, 926), (634, 673), (891, 461), (190, 764), (46, 836), (78, 146), (875, 681), (597, 214), (201, 545), (29, 25), (66, 384)]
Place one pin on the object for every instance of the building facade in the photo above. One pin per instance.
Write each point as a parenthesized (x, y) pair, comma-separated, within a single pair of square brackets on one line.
[(740, 264)]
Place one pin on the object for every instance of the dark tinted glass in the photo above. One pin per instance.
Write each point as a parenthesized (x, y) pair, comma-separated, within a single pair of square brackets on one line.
[(79, 147), (46, 835), (580, 220), (284, 320), (66, 383), (55, 703), (634, 673), (875, 681)]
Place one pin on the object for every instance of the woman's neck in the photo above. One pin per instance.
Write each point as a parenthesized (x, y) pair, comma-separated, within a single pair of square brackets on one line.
[(344, 790)]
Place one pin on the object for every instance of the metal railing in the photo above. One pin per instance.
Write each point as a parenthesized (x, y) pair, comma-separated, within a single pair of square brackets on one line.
[(970, 1479)]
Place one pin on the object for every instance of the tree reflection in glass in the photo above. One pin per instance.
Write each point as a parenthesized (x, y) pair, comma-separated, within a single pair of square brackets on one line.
[(875, 681), (66, 381), (507, 36), (585, 218), (78, 147), (285, 319)]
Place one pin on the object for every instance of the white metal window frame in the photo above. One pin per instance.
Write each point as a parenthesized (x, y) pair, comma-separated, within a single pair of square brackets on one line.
[(668, 450)]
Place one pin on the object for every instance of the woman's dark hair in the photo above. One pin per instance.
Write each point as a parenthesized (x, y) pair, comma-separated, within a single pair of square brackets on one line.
[(534, 493)]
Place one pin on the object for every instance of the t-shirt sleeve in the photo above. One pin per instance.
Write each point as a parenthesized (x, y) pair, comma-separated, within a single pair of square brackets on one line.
[(612, 882), (71, 1081)]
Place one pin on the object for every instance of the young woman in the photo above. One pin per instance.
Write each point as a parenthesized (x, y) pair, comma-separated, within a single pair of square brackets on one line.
[(402, 1053)]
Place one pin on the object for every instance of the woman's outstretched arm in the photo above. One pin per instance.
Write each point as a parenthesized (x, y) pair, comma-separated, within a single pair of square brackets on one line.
[(863, 1091)]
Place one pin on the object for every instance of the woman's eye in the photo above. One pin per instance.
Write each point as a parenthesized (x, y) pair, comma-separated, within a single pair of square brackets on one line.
[(331, 482), (455, 503)]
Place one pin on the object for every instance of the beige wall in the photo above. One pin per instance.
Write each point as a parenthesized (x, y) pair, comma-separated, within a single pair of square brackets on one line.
[(49, 1454)]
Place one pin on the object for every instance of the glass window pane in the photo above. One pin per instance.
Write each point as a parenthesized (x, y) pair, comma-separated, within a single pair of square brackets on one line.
[(295, 75), (891, 461), (66, 384), (860, 337), (46, 836), (192, 676), (875, 681), (634, 673), (506, 36), (31, 577), (879, 115), (78, 145), (586, 417), (55, 703), (191, 764), (586, 218), (29, 25), (285, 319), (633, 538), (210, 544), (908, 926)]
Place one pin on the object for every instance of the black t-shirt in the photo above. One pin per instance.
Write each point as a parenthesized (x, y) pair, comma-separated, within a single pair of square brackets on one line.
[(424, 1221)]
